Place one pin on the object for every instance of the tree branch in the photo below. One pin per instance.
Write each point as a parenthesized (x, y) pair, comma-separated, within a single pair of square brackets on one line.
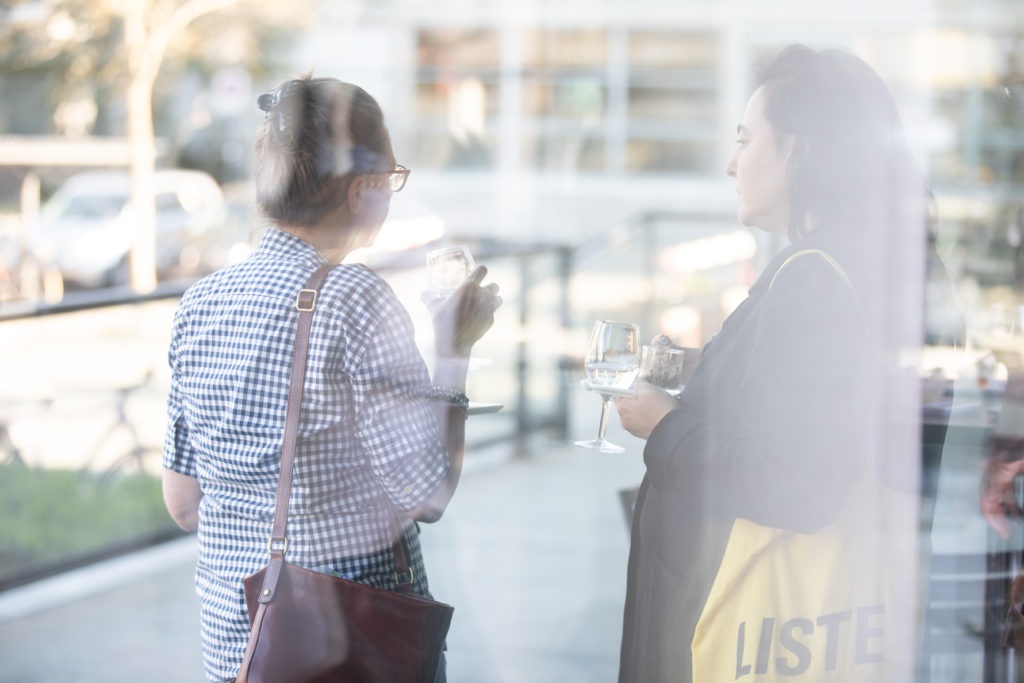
[(160, 37), (192, 10)]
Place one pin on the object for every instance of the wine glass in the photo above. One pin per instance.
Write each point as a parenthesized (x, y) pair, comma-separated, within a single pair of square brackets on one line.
[(447, 268), (662, 366), (612, 363)]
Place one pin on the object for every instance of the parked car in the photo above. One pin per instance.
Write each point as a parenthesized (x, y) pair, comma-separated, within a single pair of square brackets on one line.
[(87, 228)]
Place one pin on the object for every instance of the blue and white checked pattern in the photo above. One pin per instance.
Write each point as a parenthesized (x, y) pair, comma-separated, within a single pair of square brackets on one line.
[(366, 437)]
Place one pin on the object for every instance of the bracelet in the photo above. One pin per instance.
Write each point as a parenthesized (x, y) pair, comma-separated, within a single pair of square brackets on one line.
[(453, 396)]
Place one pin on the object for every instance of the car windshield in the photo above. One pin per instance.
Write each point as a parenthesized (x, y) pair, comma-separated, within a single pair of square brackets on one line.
[(88, 206)]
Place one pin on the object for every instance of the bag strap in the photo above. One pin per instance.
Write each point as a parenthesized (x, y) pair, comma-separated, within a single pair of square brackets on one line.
[(824, 255), (832, 264), (305, 303), (278, 545)]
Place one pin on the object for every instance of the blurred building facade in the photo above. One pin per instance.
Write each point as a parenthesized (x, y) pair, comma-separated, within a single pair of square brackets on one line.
[(580, 145), (558, 122)]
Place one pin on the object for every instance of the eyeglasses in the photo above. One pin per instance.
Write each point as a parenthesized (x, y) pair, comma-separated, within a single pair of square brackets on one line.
[(397, 177)]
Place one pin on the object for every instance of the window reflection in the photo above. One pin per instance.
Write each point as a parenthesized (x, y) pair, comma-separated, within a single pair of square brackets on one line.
[(672, 102), (456, 98)]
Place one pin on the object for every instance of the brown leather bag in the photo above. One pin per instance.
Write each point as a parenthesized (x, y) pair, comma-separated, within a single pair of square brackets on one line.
[(1013, 627), (310, 627)]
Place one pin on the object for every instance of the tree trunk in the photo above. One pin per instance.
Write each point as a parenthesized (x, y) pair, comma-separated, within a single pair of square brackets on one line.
[(140, 124), (142, 259), (145, 53)]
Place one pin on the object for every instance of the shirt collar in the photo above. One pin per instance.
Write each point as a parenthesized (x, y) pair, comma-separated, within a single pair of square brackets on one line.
[(278, 243)]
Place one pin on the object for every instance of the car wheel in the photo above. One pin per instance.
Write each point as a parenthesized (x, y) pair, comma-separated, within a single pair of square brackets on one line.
[(118, 274)]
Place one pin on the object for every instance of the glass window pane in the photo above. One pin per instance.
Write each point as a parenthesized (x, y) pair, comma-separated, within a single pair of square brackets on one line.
[(565, 153), (582, 97), (669, 156), (461, 49), (456, 98), (546, 49), (672, 104), (662, 49), (441, 148)]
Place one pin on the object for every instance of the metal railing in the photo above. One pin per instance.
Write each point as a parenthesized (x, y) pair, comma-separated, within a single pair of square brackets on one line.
[(525, 356)]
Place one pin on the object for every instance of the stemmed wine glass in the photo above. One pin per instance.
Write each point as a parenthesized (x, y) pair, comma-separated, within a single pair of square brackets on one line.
[(612, 363), (662, 366)]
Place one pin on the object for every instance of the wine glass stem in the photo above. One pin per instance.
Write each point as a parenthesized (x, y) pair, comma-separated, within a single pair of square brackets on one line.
[(606, 401)]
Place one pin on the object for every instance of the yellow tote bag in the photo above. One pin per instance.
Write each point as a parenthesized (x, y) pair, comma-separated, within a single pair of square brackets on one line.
[(827, 606), (835, 605)]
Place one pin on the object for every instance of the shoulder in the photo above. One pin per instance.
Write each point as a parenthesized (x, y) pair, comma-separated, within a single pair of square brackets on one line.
[(253, 278), (361, 305), (807, 265), (354, 288), (813, 286), (256, 287), (811, 272)]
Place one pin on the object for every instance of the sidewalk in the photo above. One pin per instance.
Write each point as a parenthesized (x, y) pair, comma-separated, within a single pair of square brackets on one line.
[(531, 552), (130, 619)]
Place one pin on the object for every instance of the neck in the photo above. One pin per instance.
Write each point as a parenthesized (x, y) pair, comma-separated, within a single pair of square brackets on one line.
[(332, 241)]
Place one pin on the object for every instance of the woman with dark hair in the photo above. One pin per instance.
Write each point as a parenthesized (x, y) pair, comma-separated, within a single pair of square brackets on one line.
[(380, 442), (795, 410)]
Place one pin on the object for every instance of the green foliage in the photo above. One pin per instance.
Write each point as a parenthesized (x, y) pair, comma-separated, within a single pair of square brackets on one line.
[(73, 51), (56, 516)]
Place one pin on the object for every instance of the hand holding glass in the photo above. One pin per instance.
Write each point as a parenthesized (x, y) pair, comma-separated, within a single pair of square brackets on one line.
[(662, 366), (612, 363), (447, 268)]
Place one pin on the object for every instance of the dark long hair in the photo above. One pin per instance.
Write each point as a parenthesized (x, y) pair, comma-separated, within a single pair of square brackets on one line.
[(851, 166), (319, 133)]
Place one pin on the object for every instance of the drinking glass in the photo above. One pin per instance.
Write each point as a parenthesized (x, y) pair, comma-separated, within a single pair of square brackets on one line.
[(662, 366), (612, 363), (447, 268)]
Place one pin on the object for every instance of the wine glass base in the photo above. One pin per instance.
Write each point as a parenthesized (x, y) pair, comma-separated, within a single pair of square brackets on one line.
[(600, 445)]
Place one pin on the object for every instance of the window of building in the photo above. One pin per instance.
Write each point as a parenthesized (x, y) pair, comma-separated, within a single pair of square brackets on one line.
[(456, 98), (565, 94), (672, 102)]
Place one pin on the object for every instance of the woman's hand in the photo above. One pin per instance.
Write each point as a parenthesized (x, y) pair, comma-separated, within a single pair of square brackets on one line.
[(690, 358), (640, 414), (462, 319), (998, 497)]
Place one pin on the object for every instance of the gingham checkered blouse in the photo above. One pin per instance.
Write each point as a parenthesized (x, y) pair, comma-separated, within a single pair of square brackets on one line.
[(366, 435)]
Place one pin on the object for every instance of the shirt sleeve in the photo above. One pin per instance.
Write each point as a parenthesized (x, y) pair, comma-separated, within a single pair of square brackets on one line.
[(804, 411), (395, 424), (178, 453)]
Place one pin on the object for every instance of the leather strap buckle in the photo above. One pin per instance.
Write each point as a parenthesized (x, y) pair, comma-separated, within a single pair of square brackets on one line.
[(282, 545), (400, 578), (306, 300)]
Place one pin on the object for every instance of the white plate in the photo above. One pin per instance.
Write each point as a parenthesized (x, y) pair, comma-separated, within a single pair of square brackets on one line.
[(477, 408), (606, 390)]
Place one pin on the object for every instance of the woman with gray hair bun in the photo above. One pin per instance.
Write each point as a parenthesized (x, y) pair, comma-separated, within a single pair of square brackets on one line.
[(775, 532), (379, 440)]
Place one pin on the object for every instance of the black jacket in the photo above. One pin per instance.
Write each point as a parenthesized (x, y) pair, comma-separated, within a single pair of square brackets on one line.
[(772, 427)]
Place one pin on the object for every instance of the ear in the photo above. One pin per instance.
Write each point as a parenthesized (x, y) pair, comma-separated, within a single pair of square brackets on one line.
[(789, 147), (356, 194)]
